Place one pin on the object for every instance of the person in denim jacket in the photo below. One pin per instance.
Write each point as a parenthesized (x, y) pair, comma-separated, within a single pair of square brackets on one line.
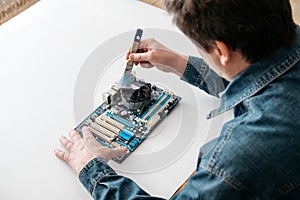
[(251, 53)]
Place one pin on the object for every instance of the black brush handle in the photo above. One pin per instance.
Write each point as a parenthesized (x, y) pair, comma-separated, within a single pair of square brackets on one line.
[(136, 40)]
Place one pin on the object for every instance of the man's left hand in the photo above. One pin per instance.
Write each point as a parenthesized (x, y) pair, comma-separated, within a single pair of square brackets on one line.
[(82, 150)]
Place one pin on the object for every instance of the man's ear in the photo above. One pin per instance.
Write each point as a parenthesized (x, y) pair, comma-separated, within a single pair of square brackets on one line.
[(223, 52)]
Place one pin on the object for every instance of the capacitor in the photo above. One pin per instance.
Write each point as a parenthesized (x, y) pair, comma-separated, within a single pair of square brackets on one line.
[(109, 99), (154, 87), (124, 113)]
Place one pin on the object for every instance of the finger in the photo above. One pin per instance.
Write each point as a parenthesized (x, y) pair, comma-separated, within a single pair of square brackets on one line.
[(144, 44), (146, 65), (62, 155), (148, 43), (117, 152), (127, 55), (66, 142), (138, 57), (74, 135), (140, 50)]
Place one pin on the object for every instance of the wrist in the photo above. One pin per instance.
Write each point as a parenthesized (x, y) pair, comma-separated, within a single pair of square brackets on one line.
[(178, 63), (94, 172)]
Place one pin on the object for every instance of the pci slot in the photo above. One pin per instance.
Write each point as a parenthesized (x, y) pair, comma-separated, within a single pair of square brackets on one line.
[(121, 120), (103, 130), (112, 121), (107, 125), (100, 135), (155, 103)]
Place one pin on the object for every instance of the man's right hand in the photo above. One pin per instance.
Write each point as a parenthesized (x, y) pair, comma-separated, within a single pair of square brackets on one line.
[(152, 53)]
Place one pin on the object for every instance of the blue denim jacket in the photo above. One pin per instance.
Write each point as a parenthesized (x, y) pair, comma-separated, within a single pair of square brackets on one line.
[(256, 156)]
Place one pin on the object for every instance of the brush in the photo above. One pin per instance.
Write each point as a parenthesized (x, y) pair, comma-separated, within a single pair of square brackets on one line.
[(126, 79)]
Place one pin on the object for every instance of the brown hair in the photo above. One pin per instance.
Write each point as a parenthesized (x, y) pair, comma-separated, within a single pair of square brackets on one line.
[(257, 28)]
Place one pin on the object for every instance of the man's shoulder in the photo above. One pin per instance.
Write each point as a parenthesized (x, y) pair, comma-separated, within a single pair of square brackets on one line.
[(278, 104), (260, 145)]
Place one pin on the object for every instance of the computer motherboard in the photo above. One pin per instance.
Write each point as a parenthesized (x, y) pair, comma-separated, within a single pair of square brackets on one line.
[(128, 115)]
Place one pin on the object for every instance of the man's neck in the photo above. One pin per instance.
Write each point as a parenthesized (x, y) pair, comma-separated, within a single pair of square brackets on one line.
[(237, 65)]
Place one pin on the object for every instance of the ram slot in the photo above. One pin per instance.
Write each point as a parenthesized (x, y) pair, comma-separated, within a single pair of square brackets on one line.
[(107, 125), (100, 135), (155, 103), (159, 107), (112, 121), (154, 116), (155, 107), (103, 130)]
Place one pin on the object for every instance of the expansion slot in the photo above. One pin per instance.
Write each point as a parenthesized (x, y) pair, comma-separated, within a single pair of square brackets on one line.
[(107, 125), (100, 135), (121, 120), (112, 121), (103, 130)]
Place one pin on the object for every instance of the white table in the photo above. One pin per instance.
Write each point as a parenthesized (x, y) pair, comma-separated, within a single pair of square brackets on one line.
[(41, 54)]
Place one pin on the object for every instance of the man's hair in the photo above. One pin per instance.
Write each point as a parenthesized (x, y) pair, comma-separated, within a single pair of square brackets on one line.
[(256, 28)]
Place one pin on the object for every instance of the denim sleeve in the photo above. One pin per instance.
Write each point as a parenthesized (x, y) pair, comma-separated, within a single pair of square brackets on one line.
[(206, 186), (198, 73), (102, 182)]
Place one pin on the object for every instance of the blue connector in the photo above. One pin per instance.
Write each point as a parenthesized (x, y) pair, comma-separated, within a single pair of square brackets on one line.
[(134, 142), (126, 135)]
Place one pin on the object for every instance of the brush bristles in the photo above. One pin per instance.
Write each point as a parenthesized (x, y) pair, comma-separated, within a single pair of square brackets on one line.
[(125, 81)]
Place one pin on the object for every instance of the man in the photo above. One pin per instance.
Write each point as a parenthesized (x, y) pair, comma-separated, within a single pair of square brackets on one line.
[(253, 50)]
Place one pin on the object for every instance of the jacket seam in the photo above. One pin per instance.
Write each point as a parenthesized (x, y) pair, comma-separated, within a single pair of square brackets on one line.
[(90, 164), (285, 189), (211, 162), (227, 134), (100, 177)]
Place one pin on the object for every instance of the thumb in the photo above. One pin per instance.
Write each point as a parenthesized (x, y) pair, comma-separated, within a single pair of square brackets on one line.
[(118, 152), (139, 57), (86, 133)]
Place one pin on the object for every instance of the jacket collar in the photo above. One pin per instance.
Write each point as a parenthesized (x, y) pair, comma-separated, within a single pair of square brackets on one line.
[(257, 76)]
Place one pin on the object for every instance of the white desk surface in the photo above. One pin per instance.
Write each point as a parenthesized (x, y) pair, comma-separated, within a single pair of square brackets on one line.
[(42, 51)]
